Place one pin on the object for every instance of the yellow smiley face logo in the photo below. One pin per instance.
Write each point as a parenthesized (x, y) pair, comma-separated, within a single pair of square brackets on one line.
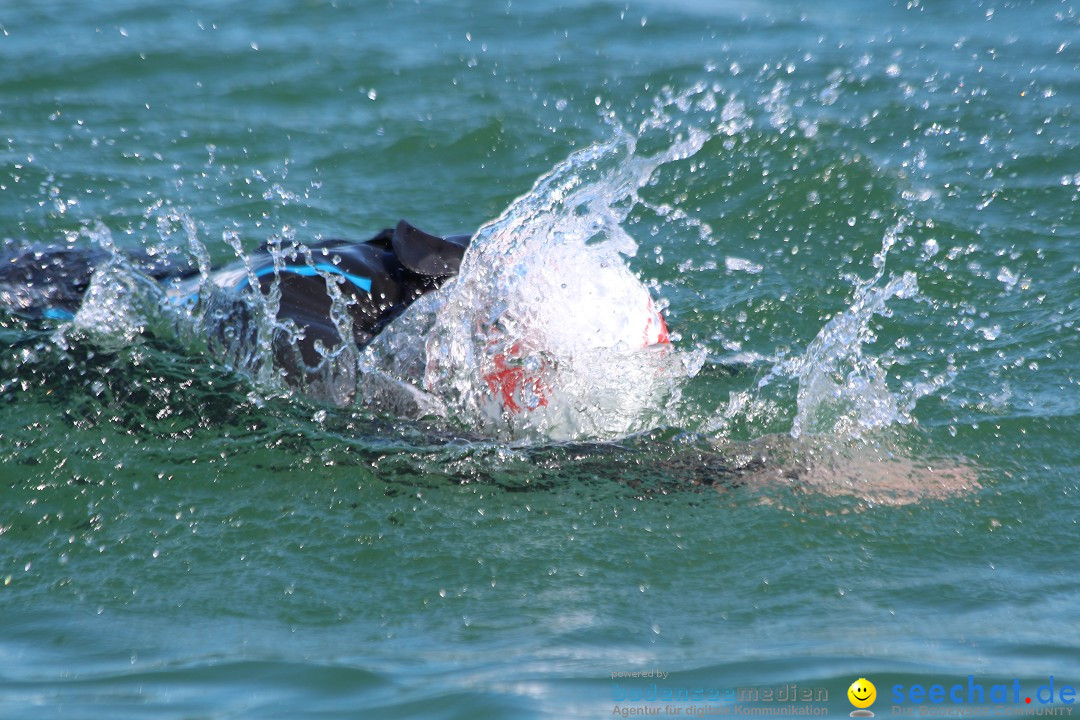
[(862, 693)]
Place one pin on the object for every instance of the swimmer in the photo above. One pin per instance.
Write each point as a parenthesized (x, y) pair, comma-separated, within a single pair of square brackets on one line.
[(380, 278)]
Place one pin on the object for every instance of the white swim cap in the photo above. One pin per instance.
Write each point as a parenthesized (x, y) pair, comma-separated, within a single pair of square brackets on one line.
[(564, 352)]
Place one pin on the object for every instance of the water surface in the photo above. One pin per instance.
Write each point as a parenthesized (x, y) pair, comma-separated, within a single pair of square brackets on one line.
[(887, 202)]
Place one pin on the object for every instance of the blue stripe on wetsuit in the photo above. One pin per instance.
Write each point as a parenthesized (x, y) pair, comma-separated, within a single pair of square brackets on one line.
[(359, 281), (58, 314), (308, 271)]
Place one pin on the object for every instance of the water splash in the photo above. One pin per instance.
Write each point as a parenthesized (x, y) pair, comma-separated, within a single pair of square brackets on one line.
[(121, 305), (546, 333), (843, 391), (842, 387), (124, 307)]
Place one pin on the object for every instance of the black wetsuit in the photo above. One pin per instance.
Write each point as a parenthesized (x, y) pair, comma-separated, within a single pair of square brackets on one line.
[(377, 279)]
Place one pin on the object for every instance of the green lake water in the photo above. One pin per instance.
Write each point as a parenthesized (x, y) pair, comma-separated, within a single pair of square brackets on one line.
[(884, 212)]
